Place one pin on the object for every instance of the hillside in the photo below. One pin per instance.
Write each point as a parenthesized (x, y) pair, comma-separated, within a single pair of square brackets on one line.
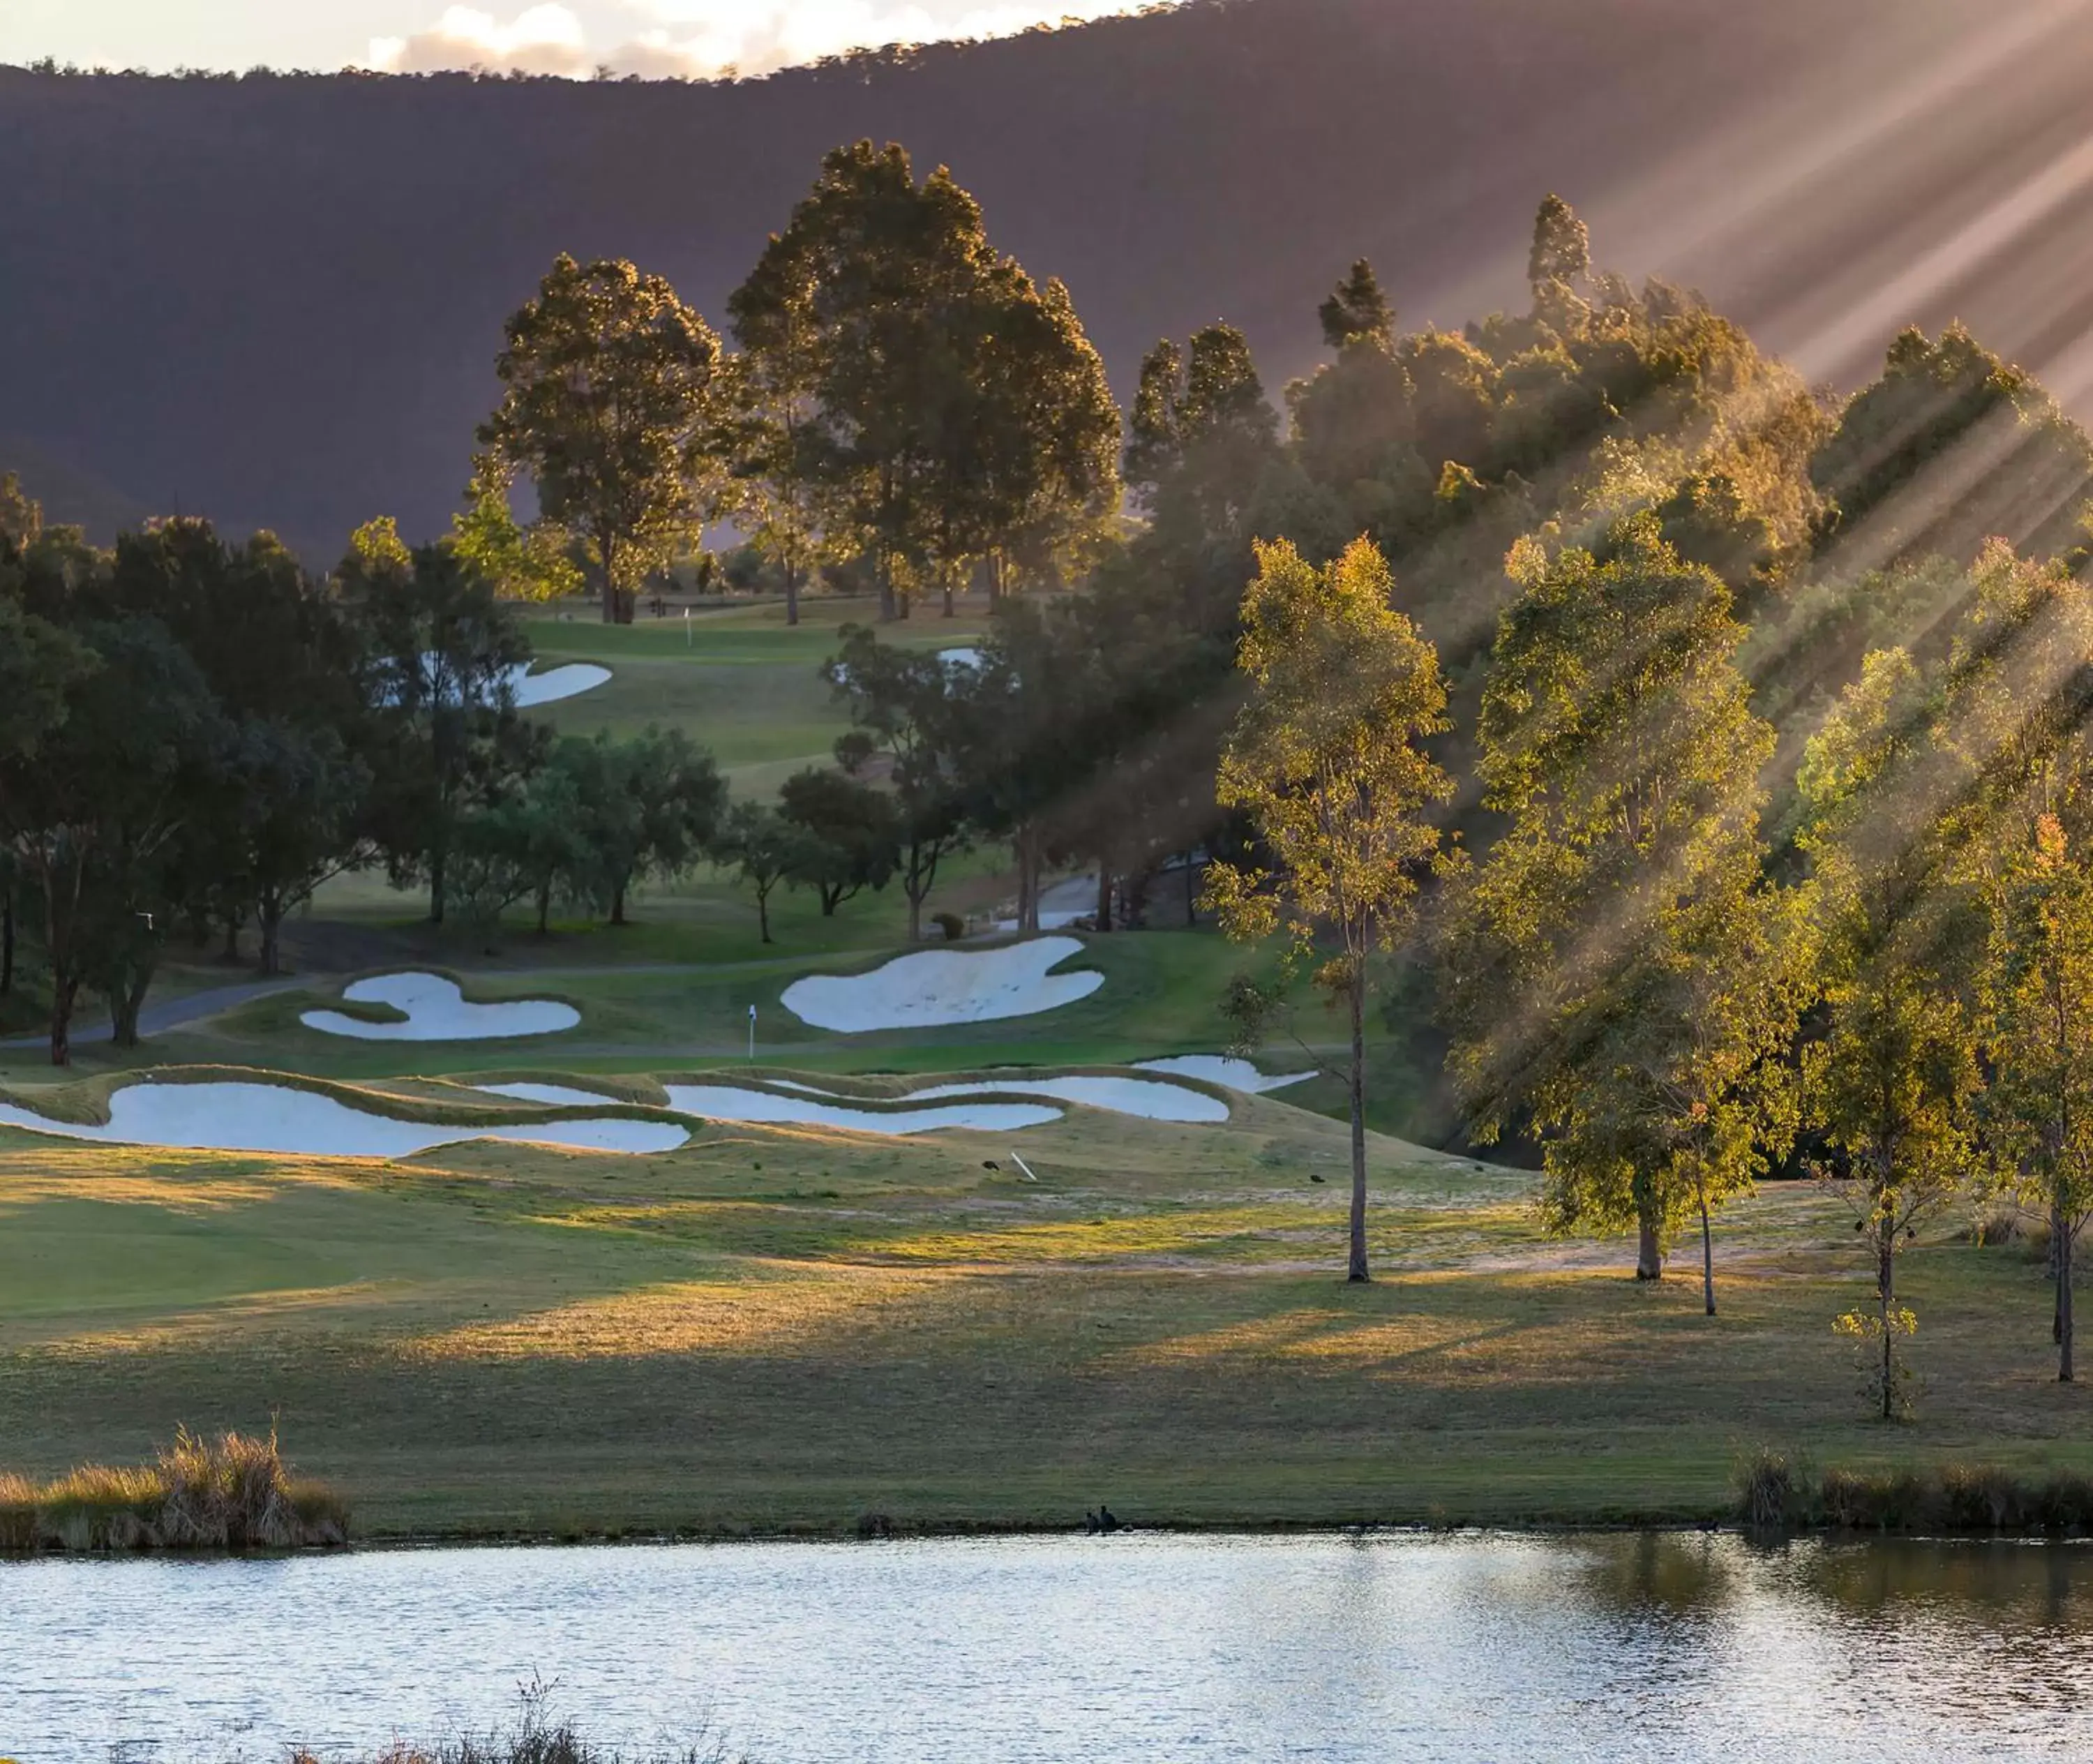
[(194, 314)]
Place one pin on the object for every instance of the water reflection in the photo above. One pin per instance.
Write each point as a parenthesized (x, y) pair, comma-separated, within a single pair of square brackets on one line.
[(1665, 1647)]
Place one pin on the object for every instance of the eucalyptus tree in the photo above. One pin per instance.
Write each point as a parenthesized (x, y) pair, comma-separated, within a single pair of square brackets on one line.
[(1328, 761), (438, 657), (1890, 1077), (910, 388), (905, 709), (608, 406), (1616, 973)]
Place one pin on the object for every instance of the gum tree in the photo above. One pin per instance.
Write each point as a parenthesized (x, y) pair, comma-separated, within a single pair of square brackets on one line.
[(1327, 760), (1618, 974), (607, 405)]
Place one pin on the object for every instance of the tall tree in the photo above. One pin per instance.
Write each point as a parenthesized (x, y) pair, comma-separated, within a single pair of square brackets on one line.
[(1358, 311), (1616, 973), (1889, 1080), (2038, 999), (780, 488), (1327, 760), (439, 658), (904, 708), (940, 408), (609, 382), (90, 819), (280, 813)]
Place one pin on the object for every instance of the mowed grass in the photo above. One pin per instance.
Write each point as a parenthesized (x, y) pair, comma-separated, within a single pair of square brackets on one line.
[(793, 1330), (740, 682)]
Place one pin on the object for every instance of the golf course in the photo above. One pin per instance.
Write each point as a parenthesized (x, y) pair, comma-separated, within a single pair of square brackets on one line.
[(948, 1238)]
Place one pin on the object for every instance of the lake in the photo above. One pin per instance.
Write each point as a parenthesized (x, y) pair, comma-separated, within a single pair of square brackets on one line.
[(1483, 1647)]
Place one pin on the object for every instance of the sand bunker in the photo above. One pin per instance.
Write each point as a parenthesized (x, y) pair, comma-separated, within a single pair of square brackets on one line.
[(569, 680), (941, 987), (274, 1117), (961, 658), (727, 1102), (1229, 1074), (435, 1010), (1144, 1097)]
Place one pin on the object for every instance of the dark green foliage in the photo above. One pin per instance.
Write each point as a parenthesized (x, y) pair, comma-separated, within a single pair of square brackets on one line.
[(848, 836), (1950, 447), (1358, 311)]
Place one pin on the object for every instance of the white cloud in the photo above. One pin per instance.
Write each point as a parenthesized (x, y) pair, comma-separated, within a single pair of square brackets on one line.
[(545, 39), (700, 39)]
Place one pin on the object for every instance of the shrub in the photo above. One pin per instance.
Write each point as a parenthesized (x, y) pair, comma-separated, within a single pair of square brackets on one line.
[(232, 1493)]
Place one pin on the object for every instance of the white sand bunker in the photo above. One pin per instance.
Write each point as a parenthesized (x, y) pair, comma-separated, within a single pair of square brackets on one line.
[(569, 680), (969, 658), (435, 1010), (275, 1117), (727, 1102), (1144, 1097), (941, 986), (1229, 1074)]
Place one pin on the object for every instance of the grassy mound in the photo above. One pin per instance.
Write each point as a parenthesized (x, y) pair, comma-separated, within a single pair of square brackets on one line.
[(232, 1492)]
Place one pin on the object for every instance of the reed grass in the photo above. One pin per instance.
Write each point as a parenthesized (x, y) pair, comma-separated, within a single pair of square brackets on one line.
[(234, 1492), (1777, 1493)]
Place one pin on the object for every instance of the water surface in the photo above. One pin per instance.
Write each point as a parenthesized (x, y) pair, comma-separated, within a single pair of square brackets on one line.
[(1121, 1650)]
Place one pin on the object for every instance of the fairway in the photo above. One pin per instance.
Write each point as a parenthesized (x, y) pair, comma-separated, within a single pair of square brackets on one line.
[(783, 1329)]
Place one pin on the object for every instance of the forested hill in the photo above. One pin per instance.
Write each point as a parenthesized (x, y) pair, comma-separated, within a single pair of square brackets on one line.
[(277, 299)]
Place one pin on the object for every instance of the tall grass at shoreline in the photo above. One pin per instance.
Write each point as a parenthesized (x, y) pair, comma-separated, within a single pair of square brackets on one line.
[(232, 1492), (1777, 1493)]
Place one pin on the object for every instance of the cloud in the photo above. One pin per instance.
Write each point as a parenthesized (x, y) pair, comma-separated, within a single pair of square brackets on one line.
[(545, 39), (703, 39)]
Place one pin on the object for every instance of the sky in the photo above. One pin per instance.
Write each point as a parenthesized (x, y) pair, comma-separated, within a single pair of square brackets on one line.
[(667, 38)]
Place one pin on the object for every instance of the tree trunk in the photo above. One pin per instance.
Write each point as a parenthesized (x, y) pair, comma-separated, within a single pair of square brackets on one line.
[(269, 916), (617, 904), (7, 941), (1191, 896), (1649, 1251), (994, 580), (231, 952), (763, 913), (606, 556), (1707, 1257), (887, 612), (64, 993), (1886, 1297), (915, 914), (545, 909), (791, 593), (2064, 1373), (1029, 919), (1357, 1271), (952, 610), (1104, 896), (125, 1003), (437, 887)]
